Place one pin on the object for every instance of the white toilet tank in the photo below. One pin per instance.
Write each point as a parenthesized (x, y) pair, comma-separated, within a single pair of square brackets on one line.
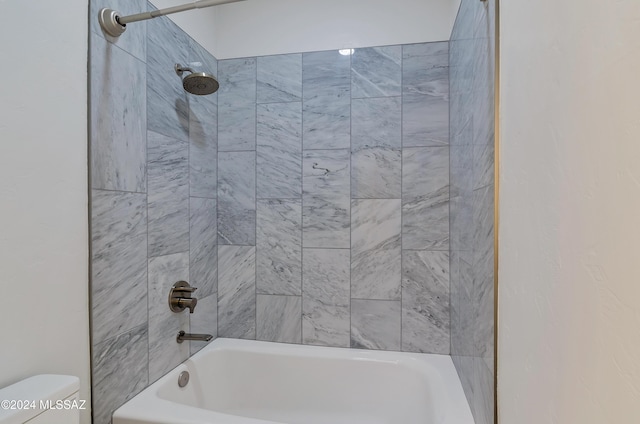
[(42, 399)]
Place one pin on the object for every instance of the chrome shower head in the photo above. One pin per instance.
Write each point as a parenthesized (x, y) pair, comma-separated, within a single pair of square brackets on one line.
[(199, 83)]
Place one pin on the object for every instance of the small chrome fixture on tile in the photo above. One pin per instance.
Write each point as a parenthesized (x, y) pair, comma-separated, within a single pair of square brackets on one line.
[(180, 297), (183, 379), (182, 336)]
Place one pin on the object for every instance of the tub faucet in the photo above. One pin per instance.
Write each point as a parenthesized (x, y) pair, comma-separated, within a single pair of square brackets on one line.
[(180, 297), (182, 336)]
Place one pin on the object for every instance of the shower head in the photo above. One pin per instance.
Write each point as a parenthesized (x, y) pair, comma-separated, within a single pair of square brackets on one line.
[(198, 83)]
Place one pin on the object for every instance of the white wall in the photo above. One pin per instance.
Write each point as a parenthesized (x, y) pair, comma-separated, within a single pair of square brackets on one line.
[(569, 340), (263, 27), (43, 191)]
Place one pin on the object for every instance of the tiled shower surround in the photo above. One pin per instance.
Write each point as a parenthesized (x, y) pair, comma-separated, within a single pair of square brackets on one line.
[(472, 59), (308, 200), (333, 198)]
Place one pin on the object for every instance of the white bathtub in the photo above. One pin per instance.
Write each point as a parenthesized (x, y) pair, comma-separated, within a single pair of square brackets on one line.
[(249, 382)]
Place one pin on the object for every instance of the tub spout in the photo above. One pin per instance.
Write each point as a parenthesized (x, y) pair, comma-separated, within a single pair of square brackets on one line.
[(182, 336)]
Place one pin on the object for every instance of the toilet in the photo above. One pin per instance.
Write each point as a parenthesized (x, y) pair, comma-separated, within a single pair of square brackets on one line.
[(42, 399)]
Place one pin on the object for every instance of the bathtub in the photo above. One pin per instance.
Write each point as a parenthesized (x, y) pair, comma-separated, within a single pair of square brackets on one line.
[(249, 382)]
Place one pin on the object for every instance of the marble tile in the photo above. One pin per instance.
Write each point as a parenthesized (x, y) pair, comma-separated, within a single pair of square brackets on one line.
[(118, 258), (375, 324), (205, 321), (376, 173), (454, 296), (326, 124), (325, 297), (167, 102), (462, 169), (483, 92), (425, 198), (237, 79), (326, 199), (279, 247), (483, 270), (203, 248), (237, 292), (483, 165), (376, 72), (120, 371), (483, 395), (118, 119), (236, 126), (237, 198), (376, 123), (164, 325), (135, 40), (466, 369), (326, 74), (279, 150), (203, 130), (425, 302), (279, 318), (279, 78), (425, 79), (425, 69), (168, 198), (461, 223), (425, 120), (376, 249)]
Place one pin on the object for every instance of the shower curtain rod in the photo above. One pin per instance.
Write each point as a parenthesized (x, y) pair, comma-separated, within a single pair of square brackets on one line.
[(114, 24)]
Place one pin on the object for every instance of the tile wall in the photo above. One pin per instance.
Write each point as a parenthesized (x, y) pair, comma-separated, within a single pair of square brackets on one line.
[(333, 198), (308, 200), (153, 165), (472, 59)]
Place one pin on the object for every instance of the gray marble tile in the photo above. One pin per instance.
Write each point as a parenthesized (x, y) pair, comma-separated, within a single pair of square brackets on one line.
[(483, 165), (120, 371), (425, 69), (118, 258), (376, 72), (203, 248), (279, 150), (425, 120), (463, 27), (326, 74), (376, 123), (483, 92), (454, 296), (425, 302), (237, 79), (483, 394), (376, 173), (167, 102), (326, 123), (164, 325), (375, 324), (279, 318), (118, 119), (462, 169), (466, 369), (135, 39), (325, 297), (168, 194), (461, 223), (425, 79), (237, 292), (205, 321), (326, 199), (203, 132), (237, 198), (425, 198), (236, 126), (483, 270), (279, 247), (279, 78), (376, 249)]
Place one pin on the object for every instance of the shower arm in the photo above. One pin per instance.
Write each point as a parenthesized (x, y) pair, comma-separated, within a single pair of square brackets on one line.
[(114, 24)]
